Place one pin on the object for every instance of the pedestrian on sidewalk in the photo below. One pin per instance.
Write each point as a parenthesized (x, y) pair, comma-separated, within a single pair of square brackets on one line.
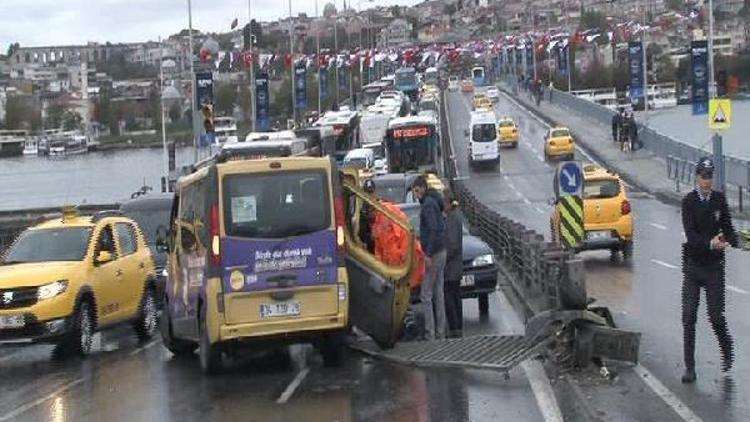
[(709, 231), (432, 238), (635, 143), (616, 122), (551, 88), (453, 265)]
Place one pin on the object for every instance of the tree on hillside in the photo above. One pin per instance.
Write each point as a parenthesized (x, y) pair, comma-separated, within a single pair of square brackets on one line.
[(71, 120), (175, 113), (245, 102), (12, 48), (676, 5), (16, 113), (54, 115), (592, 19), (226, 97)]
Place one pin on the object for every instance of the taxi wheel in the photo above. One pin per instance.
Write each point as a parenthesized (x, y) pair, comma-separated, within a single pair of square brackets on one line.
[(146, 324), (209, 354), (80, 337), (627, 250), (484, 304)]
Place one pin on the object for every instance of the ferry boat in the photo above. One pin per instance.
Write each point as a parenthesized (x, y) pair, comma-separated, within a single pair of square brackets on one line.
[(226, 130), (31, 147), (68, 145)]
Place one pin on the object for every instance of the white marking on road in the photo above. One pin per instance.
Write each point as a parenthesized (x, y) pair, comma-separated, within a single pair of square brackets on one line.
[(539, 210), (539, 157), (512, 186), (505, 177), (287, 394), (665, 264), (542, 388), (659, 226), (10, 356), (665, 394), (148, 345), (526, 201), (737, 290), (28, 406)]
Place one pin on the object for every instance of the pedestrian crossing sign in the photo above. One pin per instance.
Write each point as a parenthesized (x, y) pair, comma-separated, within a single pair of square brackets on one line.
[(719, 114)]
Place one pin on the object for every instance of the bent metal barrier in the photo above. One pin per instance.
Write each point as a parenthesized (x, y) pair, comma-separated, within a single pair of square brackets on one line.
[(549, 281)]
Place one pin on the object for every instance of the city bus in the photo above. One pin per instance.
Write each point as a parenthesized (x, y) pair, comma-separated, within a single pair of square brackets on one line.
[(411, 144), (345, 124), (477, 75), (431, 76), (406, 82), (370, 92)]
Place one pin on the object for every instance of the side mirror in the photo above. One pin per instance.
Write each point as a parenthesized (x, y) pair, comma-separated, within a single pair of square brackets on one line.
[(466, 133), (188, 239), (103, 257)]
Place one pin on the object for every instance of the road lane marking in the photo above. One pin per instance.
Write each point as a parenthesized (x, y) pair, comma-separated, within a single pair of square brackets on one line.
[(737, 290), (539, 210), (665, 394), (659, 226), (148, 345), (284, 397), (665, 264), (10, 356), (542, 388), (28, 406), (526, 201)]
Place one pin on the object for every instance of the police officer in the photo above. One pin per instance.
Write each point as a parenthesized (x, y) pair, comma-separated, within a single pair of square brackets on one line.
[(709, 231)]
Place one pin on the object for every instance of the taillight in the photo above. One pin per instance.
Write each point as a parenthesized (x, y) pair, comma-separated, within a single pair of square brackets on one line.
[(338, 205), (215, 255), (625, 207), (515, 131)]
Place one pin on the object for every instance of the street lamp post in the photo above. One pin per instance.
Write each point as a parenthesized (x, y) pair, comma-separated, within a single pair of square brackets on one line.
[(336, 51), (252, 67), (194, 111), (163, 124), (317, 47), (293, 65)]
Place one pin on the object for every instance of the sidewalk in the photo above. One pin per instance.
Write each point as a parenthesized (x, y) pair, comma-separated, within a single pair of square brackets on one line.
[(641, 168)]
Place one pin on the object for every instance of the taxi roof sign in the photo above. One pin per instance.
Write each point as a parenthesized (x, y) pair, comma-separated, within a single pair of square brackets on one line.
[(719, 114)]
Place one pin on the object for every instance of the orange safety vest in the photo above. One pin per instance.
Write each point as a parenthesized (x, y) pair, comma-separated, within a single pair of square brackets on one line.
[(392, 242)]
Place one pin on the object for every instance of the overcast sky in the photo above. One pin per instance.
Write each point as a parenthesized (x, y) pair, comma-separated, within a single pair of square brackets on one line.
[(59, 22)]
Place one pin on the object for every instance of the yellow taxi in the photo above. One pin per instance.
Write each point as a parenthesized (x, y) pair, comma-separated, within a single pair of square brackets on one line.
[(66, 278), (559, 143), (608, 217), (480, 100), (507, 132)]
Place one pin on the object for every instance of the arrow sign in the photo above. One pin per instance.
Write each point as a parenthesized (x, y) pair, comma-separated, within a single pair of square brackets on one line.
[(570, 178)]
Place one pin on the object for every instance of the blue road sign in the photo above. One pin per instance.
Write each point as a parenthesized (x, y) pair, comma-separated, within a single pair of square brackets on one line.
[(570, 178)]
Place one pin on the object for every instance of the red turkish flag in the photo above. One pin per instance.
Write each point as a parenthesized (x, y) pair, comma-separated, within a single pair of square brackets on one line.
[(288, 60)]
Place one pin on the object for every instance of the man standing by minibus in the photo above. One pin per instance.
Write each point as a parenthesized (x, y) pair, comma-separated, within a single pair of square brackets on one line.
[(432, 238)]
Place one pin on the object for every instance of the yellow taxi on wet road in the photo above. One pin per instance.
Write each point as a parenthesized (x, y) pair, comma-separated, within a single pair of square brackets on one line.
[(66, 278), (507, 132), (608, 217), (559, 143)]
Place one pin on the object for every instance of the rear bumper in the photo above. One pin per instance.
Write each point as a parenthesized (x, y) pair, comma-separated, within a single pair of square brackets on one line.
[(560, 151), (287, 330), (485, 281), (35, 331)]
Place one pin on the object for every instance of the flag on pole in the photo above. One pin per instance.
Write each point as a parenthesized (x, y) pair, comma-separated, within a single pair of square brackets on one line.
[(235, 22)]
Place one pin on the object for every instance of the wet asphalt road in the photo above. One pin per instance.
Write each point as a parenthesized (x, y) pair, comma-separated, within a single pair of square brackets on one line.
[(125, 381), (644, 295)]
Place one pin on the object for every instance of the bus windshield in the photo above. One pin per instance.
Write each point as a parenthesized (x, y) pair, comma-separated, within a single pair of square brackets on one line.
[(478, 72), (431, 77), (406, 77), (484, 132), (370, 95), (411, 148)]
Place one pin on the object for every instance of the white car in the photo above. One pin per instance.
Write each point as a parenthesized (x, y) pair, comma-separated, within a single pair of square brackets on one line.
[(493, 94), (453, 83)]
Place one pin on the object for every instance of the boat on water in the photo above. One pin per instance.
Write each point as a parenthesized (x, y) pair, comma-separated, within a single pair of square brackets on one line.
[(226, 130), (31, 147), (65, 145)]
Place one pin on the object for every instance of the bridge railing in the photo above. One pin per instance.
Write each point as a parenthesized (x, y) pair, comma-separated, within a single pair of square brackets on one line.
[(543, 275)]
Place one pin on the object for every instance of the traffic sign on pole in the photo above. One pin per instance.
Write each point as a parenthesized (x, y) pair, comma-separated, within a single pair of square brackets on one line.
[(569, 178), (719, 113), (569, 204)]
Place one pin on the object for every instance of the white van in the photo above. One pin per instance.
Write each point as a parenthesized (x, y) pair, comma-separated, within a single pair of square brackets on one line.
[(363, 158), (483, 142)]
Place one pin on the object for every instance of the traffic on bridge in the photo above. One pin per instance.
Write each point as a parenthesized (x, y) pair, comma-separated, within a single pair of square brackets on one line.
[(372, 215)]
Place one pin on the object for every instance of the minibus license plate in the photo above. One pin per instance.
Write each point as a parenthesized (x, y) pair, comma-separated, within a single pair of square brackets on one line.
[(11, 321), (467, 280), (271, 310)]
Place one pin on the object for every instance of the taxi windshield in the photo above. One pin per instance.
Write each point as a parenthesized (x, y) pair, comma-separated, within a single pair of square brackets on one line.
[(43, 245), (560, 133), (506, 123)]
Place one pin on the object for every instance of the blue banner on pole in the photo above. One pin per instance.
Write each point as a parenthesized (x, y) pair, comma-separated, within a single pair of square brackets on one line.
[(562, 59), (343, 82), (204, 97), (530, 61), (300, 86), (519, 56), (699, 56), (635, 61), (262, 102), (323, 82)]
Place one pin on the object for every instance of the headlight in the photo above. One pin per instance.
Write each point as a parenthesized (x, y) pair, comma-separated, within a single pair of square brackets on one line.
[(483, 260), (51, 290)]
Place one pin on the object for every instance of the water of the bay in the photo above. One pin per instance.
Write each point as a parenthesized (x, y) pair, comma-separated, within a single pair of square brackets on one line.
[(680, 124), (94, 178)]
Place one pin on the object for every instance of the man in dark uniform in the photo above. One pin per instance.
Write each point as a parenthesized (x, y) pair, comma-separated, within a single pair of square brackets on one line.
[(709, 231)]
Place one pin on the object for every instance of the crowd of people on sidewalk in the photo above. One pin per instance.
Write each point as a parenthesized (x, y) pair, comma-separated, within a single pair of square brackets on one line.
[(625, 130)]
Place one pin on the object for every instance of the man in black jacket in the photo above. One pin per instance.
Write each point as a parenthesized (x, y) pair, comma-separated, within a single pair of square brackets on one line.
[(709, 231), (454, 266), (432, 237)]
